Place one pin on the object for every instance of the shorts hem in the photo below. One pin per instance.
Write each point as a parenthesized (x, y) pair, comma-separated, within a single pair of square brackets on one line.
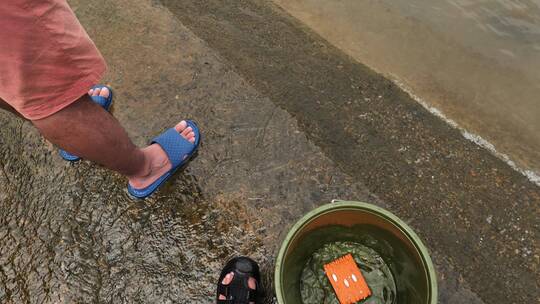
[(70, 96)]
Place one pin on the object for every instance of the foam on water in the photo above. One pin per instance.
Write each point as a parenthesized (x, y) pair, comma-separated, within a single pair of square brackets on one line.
[(477, 139)]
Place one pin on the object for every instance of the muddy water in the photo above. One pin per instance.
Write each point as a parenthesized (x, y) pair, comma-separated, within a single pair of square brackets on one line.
[(476, 61)]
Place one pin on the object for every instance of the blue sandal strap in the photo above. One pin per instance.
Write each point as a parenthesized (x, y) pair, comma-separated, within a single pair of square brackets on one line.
[(178, 150), (175, 146), (102, 101)]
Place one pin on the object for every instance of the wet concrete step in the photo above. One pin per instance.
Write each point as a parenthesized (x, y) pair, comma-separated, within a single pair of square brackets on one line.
[(69, 232), (448, 188)]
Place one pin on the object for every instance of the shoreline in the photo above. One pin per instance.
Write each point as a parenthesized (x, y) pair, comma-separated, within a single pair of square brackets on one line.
[(447, 75), (533, 177)]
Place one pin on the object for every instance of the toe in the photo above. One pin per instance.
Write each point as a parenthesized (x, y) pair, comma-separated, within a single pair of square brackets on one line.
[(90, 92), (228, 278), (191, 137), (104, 92), (226, 281), (252, 283), (181, 126), (186, 132), (96, 92)]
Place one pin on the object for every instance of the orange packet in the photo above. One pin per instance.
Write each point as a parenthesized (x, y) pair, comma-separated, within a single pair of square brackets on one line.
[(347, 280)]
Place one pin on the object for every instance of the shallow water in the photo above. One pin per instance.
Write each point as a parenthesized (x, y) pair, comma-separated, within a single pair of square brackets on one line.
[(476, 61), (316, 288), (69, 233)]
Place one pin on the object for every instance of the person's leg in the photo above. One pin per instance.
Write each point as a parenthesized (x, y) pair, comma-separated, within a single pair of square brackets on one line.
[(87, 130)]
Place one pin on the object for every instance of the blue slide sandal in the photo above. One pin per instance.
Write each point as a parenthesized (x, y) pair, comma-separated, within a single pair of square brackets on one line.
[(104, 103), (178, 150)]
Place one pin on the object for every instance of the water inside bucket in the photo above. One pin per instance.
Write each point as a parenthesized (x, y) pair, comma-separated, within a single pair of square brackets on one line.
[(316, 289)]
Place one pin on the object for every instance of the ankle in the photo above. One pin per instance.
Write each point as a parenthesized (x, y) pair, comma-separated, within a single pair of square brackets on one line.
[(143, 168), (155, 163)]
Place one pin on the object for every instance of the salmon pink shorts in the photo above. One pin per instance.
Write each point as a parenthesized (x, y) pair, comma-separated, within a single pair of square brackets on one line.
[(47, 61)]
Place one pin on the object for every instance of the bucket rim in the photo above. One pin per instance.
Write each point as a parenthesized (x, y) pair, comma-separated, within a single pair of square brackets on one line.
[(355, 205)]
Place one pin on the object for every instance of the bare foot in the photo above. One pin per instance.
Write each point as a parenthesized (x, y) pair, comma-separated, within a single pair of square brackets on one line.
[(156, 161), (252, 284)]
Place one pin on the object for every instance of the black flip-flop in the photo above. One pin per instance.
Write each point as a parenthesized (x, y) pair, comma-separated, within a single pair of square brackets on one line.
[(238, 291)]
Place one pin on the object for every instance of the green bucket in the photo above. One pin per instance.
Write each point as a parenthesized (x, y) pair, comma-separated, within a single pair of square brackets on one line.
[(397, 244)]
